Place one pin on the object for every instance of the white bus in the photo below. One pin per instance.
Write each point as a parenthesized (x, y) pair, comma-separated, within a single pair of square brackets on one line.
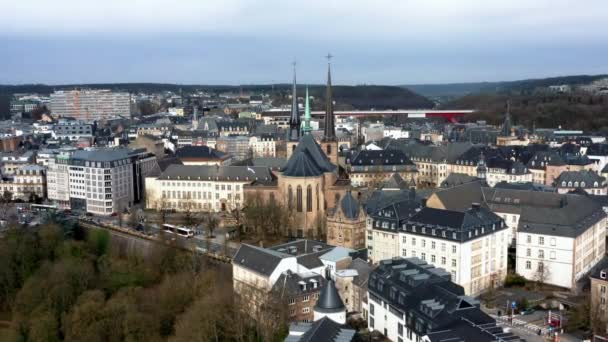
[(182, 231)]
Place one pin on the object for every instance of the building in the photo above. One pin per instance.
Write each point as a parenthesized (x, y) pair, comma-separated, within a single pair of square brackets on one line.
[(90, 105), (471, 245), (203, 187), (299, 292), (507, 171), (351, 282), (599, 298), (73, 130), (346, 223), (588, 181), (102, 181), (28, 183), (559, 244), (237, 146), (263, 145), (370, 167), (323, 330), (202, 155), (410, 300), (232, 128)]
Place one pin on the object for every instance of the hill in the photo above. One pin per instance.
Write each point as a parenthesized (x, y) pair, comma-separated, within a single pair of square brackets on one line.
[(360, 97), (570, 111), (518, 86)]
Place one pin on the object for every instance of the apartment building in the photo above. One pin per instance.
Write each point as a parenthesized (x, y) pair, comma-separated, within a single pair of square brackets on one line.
[(73, 130), (28, 182), (470, 245), (599, 298), (559, 245), (203, 187), (412, 301), (102, 181), (263, 145), (90, 105)]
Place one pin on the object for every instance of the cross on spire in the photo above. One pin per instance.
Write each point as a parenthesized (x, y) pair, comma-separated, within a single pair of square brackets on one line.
[(329, 57)]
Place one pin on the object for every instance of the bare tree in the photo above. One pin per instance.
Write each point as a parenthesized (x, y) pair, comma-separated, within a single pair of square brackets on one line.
[(542, 274), (212, 222)]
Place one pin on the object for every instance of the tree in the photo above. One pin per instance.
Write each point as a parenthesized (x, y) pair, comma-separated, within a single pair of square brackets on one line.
[(212, 222), (542, 274), (133, 219)]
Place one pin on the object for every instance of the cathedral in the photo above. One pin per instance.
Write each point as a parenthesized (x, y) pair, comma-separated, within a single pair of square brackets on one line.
[(311, 182)]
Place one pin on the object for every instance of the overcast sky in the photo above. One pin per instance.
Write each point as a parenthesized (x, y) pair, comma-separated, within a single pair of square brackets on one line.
[(243, 42)]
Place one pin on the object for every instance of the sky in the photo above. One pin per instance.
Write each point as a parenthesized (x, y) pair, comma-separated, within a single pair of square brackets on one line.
[(255, 42)]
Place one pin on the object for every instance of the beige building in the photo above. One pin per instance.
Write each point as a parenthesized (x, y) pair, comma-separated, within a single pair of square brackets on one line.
[(599, 299), (28, 182), (369, 168), (346, 224)]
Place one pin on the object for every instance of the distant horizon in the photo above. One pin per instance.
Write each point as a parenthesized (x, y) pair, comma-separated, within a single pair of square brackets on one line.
[(287, 83)]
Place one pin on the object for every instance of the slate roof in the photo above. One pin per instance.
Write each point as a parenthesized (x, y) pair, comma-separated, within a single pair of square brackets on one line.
[(307, 160), (395, 181), (323, 330), (586, 177), (414, 287), (380, 157), (464, 331), (350, 206), (260, 260), (288, 284), (200, 152), (102, 155), (469, 219), (454, 179), (215, 173), (540, 212), (543, 158), (329, 299)]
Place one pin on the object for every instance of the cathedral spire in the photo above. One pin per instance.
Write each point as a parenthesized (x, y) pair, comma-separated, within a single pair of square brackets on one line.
[(306, 129), (294, 120), (330, 131)]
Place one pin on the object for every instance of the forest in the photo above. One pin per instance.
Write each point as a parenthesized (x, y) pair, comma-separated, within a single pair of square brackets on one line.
[(59, 282)]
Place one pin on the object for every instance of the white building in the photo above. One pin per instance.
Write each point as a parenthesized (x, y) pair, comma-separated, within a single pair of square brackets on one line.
[(203, 187), (514, 172), (263, 146), (99, 181), (558, 246), (470, 245), (90, 105), (395, 132)]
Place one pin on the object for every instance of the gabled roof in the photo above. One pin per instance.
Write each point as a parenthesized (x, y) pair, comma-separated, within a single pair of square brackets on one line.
[(394, 182), (260, 260), (307, 160), (588, 177), (323, 330), (350, 206)]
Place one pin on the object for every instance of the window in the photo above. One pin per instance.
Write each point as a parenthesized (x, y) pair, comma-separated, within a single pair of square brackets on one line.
[(541, 240), (443, 260), (453, 262), (443, 247), (423, 243), (371, 309), (528, 252), (404, 252), (453, 248), (309, 198), (404, 239), (603, 289), (529, 239), (528, 265), (400, 329), (423, 256), (306, 299), (299, 199), (292, 301), (552, 254), (306, 310), (432, 244), (552, 241), (541, 254), (413, 241), (289, 197), (433, 258)]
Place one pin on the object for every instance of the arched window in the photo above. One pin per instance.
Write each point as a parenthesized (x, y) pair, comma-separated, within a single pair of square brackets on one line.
[(328, 148), (289, 198), (569, 184), (299, 199), (582, 184), (576, 184), (564, 184), (309, 198), (317, 196)]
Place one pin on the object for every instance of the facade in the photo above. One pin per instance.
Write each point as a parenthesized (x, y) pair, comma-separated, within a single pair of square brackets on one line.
[(346, 224), (203, 187), (470, 245), (558, 246), (101, 181), (28, 182), (410, 300), (90, 105), (351, 283), (263, 146), (507, 171), (370, 167), (599, 298), (300, 292), (236, 146), (73, 130)]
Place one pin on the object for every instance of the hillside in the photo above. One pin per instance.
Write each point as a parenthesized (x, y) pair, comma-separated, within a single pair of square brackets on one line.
[(519, 86), (571, 111), (360, 97)]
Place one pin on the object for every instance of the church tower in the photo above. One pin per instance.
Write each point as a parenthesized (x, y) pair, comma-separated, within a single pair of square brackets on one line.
[(330, 142), (306, 129), (294, 120)]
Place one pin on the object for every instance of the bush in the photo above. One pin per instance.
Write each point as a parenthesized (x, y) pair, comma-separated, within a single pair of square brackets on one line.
[(514, 279)]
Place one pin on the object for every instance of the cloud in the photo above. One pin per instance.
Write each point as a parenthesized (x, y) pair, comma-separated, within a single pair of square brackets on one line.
[(315, 19)]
